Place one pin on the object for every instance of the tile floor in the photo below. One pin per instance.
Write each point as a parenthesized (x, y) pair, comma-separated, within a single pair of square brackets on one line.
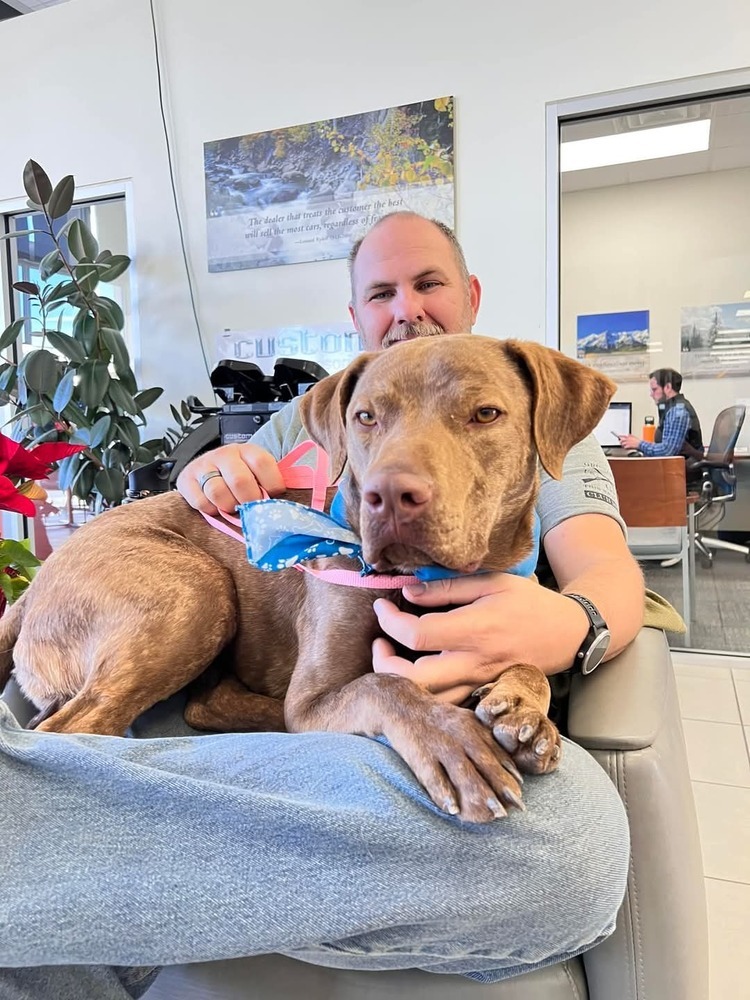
[(714, 696), (721, 600)]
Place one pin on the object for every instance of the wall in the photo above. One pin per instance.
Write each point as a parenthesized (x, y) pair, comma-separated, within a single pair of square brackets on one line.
[(85, 101), (659, 245)]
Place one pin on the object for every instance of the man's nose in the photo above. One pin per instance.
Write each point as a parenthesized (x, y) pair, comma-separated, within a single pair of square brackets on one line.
[(409, 308)]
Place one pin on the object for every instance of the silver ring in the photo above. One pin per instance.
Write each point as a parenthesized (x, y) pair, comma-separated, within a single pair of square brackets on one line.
[(202, 480)]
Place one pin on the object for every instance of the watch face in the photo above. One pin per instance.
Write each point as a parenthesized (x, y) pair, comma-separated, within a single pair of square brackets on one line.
[(595, 653)]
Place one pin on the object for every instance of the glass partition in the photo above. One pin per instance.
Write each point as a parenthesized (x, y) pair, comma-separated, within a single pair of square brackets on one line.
[(654, 218)]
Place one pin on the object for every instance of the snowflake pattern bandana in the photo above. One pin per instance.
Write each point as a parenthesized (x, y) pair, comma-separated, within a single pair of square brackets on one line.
[(280, 533)]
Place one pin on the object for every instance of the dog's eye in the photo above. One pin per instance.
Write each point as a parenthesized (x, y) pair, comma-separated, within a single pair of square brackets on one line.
[(486, 414), (365, 418)]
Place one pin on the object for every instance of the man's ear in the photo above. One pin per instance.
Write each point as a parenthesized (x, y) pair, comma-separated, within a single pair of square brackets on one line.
[(569, 399), (323, 411)]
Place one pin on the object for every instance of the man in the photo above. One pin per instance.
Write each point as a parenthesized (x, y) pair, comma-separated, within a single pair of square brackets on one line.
[(409, 278), (679, 430), (322, 846)]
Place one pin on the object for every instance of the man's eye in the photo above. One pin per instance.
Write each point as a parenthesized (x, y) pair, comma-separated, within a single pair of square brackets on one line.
[(486, 414), (427, 285), (380, 295), (365, 418)]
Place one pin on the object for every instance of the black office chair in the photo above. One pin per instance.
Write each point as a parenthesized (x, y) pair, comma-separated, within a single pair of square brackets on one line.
[(719, 484)]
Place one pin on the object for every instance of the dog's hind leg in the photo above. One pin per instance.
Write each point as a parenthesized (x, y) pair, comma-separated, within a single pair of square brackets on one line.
[(230, 707), (114, 697), (138, 664), (98, 708), (45, 712)]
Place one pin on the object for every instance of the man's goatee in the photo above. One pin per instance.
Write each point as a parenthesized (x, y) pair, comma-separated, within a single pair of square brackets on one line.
[(410, 331)]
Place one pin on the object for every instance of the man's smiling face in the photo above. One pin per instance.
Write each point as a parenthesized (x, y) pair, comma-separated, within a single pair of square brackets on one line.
[(408, 282)]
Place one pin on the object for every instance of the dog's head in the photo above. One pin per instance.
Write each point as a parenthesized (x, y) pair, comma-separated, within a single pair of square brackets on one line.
[(440, 437)]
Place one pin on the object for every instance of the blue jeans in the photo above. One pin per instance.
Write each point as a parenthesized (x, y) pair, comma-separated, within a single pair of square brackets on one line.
[(121, 855)]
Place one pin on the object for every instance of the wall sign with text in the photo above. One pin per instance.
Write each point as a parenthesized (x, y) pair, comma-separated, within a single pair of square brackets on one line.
[(332, 346)]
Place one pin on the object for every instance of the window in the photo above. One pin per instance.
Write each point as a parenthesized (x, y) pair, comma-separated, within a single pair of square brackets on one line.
[(107, 220), (654, 272), (20, 258)]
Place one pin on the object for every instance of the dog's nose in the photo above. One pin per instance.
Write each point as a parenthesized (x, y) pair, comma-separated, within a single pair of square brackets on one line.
[(399, 494)]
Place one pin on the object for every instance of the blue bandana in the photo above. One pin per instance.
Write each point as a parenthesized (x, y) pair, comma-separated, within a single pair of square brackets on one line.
[(280, 533)]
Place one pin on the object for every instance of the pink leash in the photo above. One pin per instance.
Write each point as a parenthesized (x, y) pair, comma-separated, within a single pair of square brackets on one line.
[(316, 478)]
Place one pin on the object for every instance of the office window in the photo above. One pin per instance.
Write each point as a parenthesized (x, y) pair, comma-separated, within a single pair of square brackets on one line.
[(655, 273), (106, 219)]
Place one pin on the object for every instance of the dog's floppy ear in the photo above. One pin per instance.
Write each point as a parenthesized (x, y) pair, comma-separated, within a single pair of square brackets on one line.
[(323, 411), (569, 399)]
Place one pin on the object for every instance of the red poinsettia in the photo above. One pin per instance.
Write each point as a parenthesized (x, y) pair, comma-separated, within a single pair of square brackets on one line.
[(18, 463)]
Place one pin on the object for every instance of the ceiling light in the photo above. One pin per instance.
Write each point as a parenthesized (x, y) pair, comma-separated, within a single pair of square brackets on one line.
[(646, 144)]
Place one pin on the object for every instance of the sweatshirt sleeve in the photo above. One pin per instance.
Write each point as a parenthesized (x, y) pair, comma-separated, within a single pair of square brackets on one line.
[(587, 487), (283, 432)]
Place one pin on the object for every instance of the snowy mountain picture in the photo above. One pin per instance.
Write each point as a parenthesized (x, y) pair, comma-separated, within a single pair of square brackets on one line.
[(605, 333), (615, 343)]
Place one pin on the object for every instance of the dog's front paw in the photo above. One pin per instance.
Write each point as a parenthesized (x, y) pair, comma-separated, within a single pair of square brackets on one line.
[(531, 739), (464, 770)]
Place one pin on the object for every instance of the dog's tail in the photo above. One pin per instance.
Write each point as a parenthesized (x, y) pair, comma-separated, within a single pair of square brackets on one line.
[(10, 629)]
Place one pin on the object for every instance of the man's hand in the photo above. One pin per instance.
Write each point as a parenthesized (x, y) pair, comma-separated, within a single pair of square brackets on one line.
[(245, 469), (502, 620), (629, 441)]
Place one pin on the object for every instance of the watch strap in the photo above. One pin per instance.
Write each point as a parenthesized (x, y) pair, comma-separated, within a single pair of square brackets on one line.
[(597, 639), (595, 619)]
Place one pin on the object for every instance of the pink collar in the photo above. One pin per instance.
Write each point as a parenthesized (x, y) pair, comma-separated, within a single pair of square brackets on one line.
[(316, 478)]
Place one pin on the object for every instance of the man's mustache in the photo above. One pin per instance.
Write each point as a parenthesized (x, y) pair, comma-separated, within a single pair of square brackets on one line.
[(410, 331)]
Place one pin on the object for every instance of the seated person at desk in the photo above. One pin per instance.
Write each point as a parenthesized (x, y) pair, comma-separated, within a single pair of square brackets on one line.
[(679, 430)]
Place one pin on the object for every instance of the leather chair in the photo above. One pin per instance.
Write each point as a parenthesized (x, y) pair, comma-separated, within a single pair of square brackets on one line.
[(627, 715)]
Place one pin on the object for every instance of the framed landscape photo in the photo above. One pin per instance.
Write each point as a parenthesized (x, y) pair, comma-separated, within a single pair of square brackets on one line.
[(307, 192), (715, 340), (615, 343)]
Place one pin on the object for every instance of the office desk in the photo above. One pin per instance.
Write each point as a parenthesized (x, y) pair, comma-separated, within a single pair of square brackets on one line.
[(737, 516)]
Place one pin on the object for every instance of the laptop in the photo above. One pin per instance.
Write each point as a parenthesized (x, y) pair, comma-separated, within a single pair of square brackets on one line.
[(617, 420)]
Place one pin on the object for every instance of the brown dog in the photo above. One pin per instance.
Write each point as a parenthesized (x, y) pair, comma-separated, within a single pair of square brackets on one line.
[(441, 438)]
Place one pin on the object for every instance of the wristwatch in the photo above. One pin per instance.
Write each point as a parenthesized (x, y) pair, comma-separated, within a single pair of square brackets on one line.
[(595, 645)]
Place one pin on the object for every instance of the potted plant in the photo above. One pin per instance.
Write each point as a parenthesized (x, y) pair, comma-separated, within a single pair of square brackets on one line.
[(78, 388)]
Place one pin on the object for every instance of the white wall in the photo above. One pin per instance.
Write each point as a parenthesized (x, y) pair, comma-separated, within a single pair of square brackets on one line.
[(79, 96), (84, 100), (659, 245)]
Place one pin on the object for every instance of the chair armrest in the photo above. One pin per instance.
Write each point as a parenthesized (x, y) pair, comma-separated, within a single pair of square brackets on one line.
[(621, 705)]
